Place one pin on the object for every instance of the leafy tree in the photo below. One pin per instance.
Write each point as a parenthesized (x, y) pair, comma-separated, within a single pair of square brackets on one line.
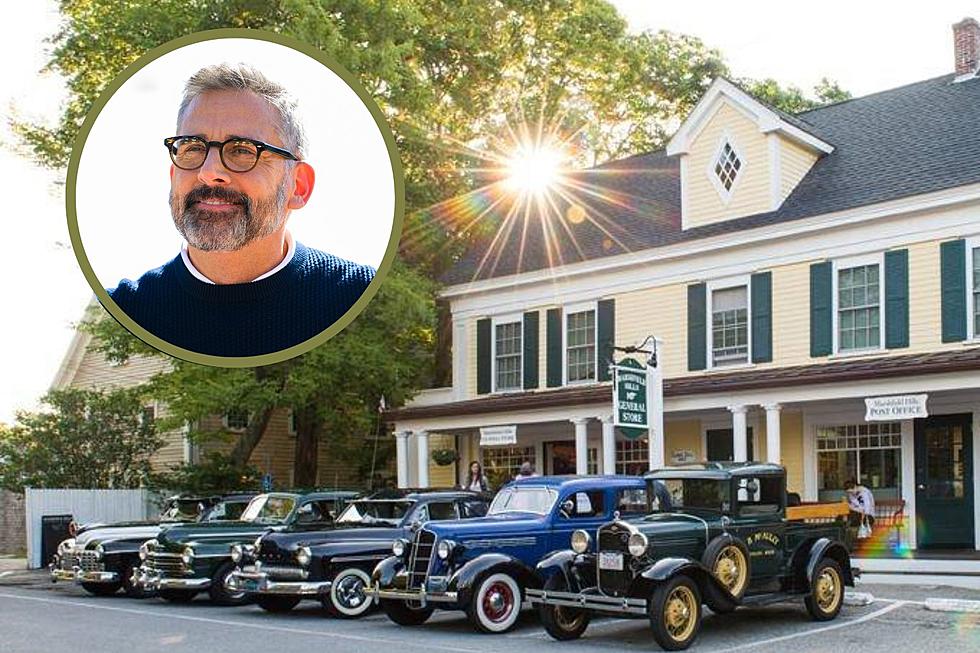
[(88, 439), (216, 474), (791, 99)]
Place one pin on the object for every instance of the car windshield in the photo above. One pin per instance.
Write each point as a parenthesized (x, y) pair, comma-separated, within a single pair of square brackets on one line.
[(224, 511), (269, 509), (374, 512), (687, 494), (182, 510), (538, 500)]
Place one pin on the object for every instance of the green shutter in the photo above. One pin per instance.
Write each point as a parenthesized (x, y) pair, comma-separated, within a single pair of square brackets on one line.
[(483, 363), (897, 299), (953, 272), (821, 309), (697, 327), (554, 372), (606, 319), (762, 317), (530, 350)]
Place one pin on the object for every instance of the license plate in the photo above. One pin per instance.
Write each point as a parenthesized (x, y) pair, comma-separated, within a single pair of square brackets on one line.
[(610, 561)]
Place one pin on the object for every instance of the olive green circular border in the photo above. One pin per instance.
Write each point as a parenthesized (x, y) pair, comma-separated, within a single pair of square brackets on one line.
[(236, 361)]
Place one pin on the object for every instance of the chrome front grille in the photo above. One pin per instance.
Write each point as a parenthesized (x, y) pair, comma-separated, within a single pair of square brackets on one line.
[(284, 572), (614, 539), (165, 563), (419, 558), (88, 561)]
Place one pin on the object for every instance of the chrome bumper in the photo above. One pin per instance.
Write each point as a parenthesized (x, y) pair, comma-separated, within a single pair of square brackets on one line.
[(154, 580), (596, 602), (257, 582), (76, 575), (419, 595)]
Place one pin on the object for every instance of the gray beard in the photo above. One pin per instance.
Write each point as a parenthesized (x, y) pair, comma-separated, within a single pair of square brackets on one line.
[(229, 233)]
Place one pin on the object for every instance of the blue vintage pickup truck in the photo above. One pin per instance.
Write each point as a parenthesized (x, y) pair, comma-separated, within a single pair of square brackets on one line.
[(484, 565)]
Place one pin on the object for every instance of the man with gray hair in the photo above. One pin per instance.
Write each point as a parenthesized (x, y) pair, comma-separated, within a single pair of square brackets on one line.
[(241, 286)]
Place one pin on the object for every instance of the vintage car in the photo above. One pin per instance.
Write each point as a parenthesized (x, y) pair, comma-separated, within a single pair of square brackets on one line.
[(334, 566), (186, 559), (484, 566), (718, 534), (102, 557)]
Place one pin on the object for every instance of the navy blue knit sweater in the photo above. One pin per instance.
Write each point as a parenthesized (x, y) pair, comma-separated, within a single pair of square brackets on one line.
[(244, 319)]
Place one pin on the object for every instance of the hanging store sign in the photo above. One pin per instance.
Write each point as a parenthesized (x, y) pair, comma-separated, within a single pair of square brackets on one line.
[(495, 436), (630, 410), (886, 409)]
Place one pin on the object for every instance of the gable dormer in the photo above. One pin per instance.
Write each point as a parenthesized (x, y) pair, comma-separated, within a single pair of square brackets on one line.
[(739, 157)]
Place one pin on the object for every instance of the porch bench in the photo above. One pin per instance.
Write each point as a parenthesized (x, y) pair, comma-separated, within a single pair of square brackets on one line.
[(890, 515)]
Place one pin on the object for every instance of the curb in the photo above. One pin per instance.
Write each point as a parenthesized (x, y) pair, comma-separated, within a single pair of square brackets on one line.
[(952, 605), (858, 598)]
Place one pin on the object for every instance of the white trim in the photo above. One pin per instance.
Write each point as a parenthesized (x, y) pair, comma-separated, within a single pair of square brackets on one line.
[(567, 310), (197, 274), (971, 244), (975, 430), (510, 318), (685, 195), (809, 456), (775, 172), (900, 231), (766, 119), (461, 359), (853, 262), (725, 284), (725, 193), (908, 479)]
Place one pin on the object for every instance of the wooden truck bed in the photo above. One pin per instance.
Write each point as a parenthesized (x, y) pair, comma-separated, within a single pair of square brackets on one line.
[(818, 512)]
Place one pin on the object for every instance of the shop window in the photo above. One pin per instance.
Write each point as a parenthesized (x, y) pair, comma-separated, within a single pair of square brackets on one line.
[(632, 457), (858, 308), (580, 349), (507, 354), (869, 453), (501, 464), (975, 278), (730, 326)]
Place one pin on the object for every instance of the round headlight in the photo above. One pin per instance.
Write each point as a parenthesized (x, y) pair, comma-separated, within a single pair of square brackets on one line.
[(398, 547), (99, 551), (580, 541), (187, 555), (236, 553), (66, 544), (445, 549), (637, 544), (303, 555)]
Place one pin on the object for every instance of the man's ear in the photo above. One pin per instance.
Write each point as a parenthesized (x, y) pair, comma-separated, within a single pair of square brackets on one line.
[(172, 169), (304, 179)]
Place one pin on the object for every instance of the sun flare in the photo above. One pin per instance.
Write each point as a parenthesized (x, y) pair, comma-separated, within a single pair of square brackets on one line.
[(534, 169)]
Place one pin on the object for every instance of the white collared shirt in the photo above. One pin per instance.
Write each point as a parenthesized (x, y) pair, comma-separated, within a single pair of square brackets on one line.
[(290, 250)]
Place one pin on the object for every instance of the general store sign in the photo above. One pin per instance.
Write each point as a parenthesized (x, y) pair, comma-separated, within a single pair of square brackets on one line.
[(886, 409), (495, 436), (630, 410)]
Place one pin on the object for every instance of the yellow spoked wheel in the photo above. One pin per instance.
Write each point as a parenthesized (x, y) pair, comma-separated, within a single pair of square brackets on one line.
[(827, 590), (680, 613), (731, 568)]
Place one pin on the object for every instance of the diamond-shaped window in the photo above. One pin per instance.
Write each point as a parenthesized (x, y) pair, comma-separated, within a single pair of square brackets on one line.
[(727, 166)]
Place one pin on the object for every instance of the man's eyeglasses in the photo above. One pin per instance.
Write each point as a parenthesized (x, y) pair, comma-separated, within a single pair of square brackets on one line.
[(237, 154)]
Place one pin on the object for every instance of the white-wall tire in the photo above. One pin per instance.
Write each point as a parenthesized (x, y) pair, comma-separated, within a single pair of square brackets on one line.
[(347, 597), (496, 603)]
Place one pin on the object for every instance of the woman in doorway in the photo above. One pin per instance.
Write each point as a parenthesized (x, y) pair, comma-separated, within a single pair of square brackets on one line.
[(476, 481)]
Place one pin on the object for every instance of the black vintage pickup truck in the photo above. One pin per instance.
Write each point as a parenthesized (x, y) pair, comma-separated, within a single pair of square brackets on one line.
[(718, 534)]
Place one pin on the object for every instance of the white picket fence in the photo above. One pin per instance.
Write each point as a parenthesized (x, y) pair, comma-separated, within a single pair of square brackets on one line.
[(86, 506)]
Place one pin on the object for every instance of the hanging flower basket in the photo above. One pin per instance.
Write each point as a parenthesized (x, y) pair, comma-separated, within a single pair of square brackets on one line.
[(444, 457)]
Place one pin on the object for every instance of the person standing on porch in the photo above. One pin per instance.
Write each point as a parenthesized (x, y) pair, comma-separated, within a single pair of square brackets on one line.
[(476, 481), (861, 502)]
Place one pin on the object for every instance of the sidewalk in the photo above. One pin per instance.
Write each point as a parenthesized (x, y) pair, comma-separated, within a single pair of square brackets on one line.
[(14, 571)]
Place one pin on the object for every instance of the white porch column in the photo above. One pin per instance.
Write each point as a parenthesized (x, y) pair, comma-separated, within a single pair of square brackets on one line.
[(422, 443), (608, 445), (740, 441), (656, 439), (773, 453), (401, 456), (581, 446)]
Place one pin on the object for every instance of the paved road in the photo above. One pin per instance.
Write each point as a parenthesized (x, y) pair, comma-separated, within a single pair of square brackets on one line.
[(64, 618)]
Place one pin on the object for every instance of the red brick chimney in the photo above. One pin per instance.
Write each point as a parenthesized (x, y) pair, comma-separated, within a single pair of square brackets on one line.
[(966, 46)]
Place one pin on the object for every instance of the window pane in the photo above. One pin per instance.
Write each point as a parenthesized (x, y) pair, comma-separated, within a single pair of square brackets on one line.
[(580, 341), (976, 292), (858, 311), (729, 326), (508, 355)]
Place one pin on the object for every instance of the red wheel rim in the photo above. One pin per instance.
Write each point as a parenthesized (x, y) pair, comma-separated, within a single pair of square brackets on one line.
[(498, 602)]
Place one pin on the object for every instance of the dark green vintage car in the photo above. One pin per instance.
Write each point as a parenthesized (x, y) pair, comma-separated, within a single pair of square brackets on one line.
[(186, 559), (718, 534)]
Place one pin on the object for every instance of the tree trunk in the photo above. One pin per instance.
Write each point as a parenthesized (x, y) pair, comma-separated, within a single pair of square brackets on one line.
[(309, 426), (251, 437)]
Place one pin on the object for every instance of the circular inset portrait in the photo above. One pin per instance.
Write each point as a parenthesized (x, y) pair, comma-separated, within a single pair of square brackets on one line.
[(235, 198)]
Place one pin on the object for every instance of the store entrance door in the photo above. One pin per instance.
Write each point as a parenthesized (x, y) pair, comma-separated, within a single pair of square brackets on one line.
[(721, 446), (944, 481), (559, 458)]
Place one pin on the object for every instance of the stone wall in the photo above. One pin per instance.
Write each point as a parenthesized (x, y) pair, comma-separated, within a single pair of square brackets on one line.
[(13, 534)]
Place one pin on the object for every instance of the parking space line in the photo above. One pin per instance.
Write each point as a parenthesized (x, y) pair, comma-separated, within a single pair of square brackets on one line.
[(244, 624), (814, 631)]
